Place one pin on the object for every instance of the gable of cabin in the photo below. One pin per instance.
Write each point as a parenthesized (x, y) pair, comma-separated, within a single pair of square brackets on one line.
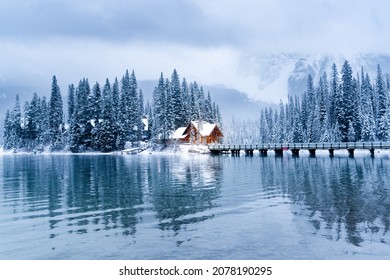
[(209, 133)]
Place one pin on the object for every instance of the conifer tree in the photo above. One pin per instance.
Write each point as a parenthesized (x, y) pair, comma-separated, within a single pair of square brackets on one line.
[(159, 109), (71, 103), (56, 117), (186, 102), (8, 130), (116, 101), (177, 101), (106, 130), (382, 117), (32, 123)]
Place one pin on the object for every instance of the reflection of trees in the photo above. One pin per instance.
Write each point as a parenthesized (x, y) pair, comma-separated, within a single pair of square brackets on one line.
[(80, 194), (183, 188), (340, 196), (105, 191)]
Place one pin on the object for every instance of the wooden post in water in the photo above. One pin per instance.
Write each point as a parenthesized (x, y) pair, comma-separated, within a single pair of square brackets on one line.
[(279, 152), (312, 152), (263, 152), (351, 152), (295, 152), (331, 152), (372, 152)]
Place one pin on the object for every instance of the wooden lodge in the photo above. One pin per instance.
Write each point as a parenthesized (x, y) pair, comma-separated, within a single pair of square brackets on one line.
[(198, 132)]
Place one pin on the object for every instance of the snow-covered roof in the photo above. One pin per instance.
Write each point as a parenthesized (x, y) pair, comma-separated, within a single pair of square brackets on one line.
[(179, 133), (206, 128)]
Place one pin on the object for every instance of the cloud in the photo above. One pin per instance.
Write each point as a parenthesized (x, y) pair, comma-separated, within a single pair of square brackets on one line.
[(71, 60), (306, 26), (202, 39), (262, 25), (174, 21)]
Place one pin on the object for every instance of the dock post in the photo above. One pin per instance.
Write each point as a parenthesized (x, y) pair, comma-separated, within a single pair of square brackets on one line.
[(249, 152), (351, 152), (312, 152), (331, 152), (372, 152), (263, 152), (295, 152), (278, 152)]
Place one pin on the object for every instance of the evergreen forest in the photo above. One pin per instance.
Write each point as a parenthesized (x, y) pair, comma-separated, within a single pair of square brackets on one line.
[(343, 107), (106, 117)]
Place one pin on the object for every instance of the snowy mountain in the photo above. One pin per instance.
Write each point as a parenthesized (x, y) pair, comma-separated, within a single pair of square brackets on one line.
[(275, 76)]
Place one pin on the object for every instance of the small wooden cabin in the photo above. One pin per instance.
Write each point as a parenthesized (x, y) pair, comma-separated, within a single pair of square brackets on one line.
[(199, 132)]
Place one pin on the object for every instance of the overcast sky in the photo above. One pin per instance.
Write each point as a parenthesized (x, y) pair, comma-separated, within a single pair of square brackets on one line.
[(202, 39)]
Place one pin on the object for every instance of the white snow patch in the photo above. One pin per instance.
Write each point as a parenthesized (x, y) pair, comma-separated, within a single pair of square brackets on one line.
[(179, 133)]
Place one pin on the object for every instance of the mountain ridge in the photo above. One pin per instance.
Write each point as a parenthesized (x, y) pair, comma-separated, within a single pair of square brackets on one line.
[(280, 75)]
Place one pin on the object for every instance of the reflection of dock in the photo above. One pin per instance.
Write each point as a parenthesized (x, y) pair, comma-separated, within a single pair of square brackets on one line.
[(296, 147)]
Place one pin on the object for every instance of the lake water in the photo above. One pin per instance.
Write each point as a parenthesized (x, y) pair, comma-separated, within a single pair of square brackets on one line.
[(194, 207)]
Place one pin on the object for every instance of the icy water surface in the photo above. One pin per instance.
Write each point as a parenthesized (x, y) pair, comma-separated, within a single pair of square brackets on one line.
[(194, 207)]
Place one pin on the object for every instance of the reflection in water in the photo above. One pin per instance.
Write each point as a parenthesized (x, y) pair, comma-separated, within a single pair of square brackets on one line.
[(107, 192), (105, 206), (341, 196)]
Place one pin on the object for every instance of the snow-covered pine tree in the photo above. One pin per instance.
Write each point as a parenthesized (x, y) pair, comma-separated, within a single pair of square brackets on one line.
[(304, 119), (96, 101), (169, 109), (32, 123), (107, 129), (56, 117), (81, 108), (297, 129), (383, 104), (186, 101), (79, 136), (218, 118), (201, 103), (281, 132), (95, 108), (323, 102), (124, 118), (177, 101), (159, 117), (134, 108), (16, 119), (129, 107), (115, 100), (71, 103), (194, 104), (209, 109), (343, 102), (44, 134), (334, 97), (141, 114), (7, 132)]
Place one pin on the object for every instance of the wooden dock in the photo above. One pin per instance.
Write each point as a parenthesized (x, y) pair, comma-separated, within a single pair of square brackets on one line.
[(278, 148)]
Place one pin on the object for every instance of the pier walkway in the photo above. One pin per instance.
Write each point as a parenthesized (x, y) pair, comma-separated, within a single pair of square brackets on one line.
[(296, 147)]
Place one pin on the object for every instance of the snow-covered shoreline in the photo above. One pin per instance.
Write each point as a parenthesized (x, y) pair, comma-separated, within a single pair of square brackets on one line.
[(181, 149), (186, 149)]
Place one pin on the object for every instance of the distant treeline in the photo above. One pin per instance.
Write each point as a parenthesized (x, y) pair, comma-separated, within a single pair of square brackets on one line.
[(105, 118), (341, 108)]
